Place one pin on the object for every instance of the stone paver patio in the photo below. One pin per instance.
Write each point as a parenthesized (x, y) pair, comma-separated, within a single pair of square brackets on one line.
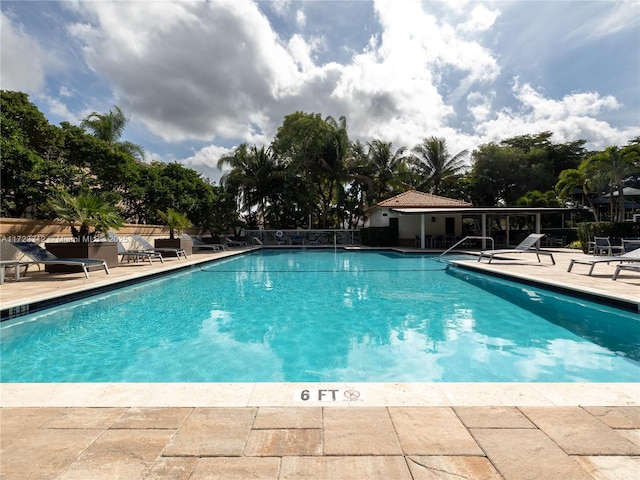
[(422, 431), (516, 443)]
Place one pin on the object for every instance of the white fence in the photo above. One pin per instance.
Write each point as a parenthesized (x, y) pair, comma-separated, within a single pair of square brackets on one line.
[(304, 237)]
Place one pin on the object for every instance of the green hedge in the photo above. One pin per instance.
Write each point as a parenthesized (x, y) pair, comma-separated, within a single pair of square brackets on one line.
[(588, 230)]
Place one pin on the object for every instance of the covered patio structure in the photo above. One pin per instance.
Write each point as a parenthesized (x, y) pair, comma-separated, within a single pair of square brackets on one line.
[(483, 214)]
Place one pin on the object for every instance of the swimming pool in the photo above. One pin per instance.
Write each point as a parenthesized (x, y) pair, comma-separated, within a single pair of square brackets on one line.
[(324, 315)]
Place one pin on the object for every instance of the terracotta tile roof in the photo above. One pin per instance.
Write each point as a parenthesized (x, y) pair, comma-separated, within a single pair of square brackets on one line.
[(415, 199)]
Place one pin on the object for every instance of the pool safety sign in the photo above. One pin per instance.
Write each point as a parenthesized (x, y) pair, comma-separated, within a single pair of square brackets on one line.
[(326, 395)]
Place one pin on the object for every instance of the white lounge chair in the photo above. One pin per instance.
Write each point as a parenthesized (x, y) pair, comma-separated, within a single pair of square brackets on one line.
[(147, 247), (40, 255), (135, 254), (198, 244), (632, 256), (528, 245)]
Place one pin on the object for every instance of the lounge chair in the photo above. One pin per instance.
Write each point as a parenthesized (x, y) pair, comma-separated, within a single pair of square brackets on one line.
[(198, 244), (40, 255), (632, 256), (623, 267), (135, 254), (528, 245), (147, 247), (235, 243)]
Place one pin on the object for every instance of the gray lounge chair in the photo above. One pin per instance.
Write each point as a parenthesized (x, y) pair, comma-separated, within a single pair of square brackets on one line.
[(235, 243), (147, 247), (40, 255), (135, 254), (624, 267), (632, 256), (528, 245), (198, 244)]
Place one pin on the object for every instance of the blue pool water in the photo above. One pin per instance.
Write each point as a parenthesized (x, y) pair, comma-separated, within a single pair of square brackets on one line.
[(317, 315)]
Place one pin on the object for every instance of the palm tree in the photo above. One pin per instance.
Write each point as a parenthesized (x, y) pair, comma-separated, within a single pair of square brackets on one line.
[(616, 165), (580, 177), (435, 165), (84, 213), (343, 172), (252, 177), (109, 127), (175, 221), (388, 168)]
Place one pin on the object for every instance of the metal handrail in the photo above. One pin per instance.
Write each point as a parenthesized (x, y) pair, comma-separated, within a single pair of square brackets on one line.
[(468, 237)]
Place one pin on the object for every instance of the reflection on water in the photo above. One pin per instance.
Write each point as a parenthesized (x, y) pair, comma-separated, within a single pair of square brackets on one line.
[(324, 316)]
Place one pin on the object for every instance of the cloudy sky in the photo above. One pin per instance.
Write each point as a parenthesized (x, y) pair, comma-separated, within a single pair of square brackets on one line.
[(197, 78)]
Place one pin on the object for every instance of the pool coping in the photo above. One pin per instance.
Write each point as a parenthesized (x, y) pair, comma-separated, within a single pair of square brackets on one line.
[(340, 394)]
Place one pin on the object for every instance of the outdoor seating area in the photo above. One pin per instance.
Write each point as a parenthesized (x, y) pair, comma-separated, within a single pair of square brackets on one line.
[(612, 246)]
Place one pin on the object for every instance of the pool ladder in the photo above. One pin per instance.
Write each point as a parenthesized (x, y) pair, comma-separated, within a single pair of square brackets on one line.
[(468, 237)]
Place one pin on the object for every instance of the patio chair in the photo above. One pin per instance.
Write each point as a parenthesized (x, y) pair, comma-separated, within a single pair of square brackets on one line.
[(134, 254), (198, 244), (629, 244), (632, 256), (39, 255), (296, 239), (624, 267), (528, 245), (603, 246), (147, 247)]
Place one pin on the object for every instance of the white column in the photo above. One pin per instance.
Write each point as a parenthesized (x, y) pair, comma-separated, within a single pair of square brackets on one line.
[(422, 231)]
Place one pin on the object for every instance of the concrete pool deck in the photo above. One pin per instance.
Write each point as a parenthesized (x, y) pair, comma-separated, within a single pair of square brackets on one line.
[(321, 430)]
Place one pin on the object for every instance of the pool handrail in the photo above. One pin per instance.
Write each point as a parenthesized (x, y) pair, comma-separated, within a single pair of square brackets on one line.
[(468, 237)]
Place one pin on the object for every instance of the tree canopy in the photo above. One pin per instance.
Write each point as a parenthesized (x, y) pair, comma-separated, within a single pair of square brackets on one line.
[(311, 174), (40, 160)]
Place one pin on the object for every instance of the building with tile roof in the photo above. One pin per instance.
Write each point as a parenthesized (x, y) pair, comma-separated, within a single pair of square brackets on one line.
[(431, 221), (441, 227)]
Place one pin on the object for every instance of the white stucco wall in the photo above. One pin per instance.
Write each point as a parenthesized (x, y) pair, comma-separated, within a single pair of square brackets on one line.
[(409, 225)]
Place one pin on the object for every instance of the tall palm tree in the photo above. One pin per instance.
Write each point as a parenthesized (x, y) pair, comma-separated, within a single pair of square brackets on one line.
[(388, 168), (252, 176), (344, 173), (435, 165), (109, 127)]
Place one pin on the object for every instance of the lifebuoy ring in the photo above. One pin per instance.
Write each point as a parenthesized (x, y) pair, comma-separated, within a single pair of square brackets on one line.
[(279, 234)]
